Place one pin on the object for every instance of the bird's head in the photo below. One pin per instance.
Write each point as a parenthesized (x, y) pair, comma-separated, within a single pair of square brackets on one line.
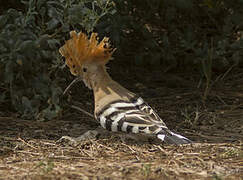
[(86, 57)]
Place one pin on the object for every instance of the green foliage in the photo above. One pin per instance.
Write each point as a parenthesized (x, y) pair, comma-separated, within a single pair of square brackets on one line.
[(146, 170), (45, 166), (178, 33), (29, 58)]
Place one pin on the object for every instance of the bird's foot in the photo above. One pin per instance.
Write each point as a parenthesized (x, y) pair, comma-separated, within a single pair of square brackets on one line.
[(89, 135)]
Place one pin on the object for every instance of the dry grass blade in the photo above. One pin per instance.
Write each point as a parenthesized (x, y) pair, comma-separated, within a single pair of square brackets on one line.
[(83, 111)]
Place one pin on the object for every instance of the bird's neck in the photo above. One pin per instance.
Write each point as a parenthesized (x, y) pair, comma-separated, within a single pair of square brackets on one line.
[(107, 90), (103, 85)]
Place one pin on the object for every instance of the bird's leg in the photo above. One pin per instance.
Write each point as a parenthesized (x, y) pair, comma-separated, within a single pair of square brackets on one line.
[(90, 134), (103, 133)]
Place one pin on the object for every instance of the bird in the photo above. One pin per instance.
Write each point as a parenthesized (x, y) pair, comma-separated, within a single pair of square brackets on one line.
[(115, 108)]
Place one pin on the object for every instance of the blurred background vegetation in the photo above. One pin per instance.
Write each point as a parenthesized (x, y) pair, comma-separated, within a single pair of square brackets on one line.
[(204, 36)]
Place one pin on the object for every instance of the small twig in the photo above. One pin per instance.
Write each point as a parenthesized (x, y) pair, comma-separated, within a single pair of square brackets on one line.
[(227, 72), (74, 81), (221, 100), (27, 143), (83, 111), (106, 147), (163, 150), (28, 152), (70, 157)]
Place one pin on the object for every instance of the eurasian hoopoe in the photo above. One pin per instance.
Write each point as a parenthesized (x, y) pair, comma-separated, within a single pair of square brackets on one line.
[(116, 108)]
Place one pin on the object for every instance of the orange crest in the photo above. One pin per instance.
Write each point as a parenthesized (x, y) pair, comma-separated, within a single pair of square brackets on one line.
[(80, 50)]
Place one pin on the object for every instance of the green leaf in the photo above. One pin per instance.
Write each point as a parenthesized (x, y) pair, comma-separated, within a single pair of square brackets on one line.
[(9, 72), (3, 21), (26, 103), (3, 97), (40, 3), (52, 24), (53, 43), (50, 112)]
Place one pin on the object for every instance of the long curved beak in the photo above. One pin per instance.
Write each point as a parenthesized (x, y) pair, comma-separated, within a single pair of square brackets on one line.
[(77, 79)]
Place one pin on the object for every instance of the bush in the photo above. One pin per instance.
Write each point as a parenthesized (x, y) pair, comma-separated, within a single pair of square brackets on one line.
[(29, 58), (180, 33)]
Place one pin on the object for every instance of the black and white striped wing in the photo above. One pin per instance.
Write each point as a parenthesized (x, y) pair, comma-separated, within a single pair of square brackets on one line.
[(136, 116)]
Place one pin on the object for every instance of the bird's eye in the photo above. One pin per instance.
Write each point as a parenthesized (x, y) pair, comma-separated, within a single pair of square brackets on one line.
[(84, 69)]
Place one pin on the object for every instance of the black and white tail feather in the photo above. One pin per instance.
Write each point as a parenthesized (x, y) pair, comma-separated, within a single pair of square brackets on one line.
[(136, 117)]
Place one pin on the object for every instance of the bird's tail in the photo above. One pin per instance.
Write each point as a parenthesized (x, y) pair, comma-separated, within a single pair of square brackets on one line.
[(173, 138)]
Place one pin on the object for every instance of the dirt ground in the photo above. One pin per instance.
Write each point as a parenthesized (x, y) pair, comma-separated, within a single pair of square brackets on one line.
[(32, 150)]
